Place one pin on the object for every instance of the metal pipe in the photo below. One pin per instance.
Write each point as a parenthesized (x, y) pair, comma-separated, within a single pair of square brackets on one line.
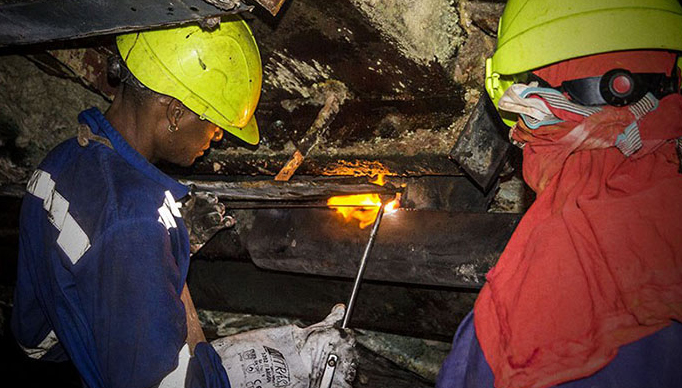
[(361, 269), (265, 205)]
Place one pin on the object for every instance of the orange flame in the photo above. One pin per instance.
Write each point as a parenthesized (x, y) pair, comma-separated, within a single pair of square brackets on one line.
[(380, 180), (362, 207)]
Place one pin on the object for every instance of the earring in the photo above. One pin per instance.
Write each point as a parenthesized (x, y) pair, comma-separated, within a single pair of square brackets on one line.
[(173, 127)]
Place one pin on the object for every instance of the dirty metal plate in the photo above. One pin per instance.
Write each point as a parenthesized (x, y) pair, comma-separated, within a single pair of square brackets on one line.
[(272, 6), (482, 148), (48, 20), (425, 247)]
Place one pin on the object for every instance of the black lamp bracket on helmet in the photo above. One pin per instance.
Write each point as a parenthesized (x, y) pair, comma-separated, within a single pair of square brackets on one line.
[(619, 87)]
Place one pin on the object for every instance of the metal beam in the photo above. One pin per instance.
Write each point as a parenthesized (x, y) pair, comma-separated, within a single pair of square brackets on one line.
[(29, 22), (298, 190), (453, 249)]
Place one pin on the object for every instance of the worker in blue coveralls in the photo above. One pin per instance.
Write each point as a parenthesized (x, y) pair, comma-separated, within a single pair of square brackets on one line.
[(104, 252)]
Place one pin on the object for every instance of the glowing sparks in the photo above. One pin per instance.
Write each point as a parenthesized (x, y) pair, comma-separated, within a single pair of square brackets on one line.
[(392, 206)]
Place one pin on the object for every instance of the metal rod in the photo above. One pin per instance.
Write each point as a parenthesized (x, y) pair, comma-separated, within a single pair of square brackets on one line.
[(361, 269), (265, 205)]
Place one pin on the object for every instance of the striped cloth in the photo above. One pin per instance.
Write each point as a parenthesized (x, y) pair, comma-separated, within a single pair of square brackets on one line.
[(534, 105)]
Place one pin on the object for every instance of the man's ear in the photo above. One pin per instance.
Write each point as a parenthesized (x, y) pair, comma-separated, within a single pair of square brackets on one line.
[(174, 111)]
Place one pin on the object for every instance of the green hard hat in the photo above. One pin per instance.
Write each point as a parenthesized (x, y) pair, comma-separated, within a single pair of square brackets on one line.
[(536, 33), (217, 74)]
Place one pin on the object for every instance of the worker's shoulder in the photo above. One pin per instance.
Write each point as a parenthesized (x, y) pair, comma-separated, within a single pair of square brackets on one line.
[(100, 184)]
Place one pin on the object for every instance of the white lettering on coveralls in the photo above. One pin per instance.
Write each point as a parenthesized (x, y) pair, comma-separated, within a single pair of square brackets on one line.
[(169, 210)]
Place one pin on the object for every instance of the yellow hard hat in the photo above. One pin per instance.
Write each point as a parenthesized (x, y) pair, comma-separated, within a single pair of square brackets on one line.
[(536, 33), (217, 74)]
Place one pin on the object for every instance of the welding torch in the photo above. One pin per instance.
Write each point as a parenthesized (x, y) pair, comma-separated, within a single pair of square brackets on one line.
[(332, 359), (361, 268)]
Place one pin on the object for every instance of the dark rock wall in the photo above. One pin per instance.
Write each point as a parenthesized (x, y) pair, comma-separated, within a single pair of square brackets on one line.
[(37, 112)]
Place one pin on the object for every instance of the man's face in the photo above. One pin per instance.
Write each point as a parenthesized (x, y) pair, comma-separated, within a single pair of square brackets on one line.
[(191, 140)]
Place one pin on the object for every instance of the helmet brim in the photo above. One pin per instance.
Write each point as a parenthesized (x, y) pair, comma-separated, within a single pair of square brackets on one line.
[(248, 133)]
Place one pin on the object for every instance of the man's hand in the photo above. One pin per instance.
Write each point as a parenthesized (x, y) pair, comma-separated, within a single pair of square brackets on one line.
[(290, 356), (204, 216)]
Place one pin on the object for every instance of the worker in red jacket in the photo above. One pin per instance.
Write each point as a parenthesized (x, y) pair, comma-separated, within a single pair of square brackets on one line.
[(588, 292)]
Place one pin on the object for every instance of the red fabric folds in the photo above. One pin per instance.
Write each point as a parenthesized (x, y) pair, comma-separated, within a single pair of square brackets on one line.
[(596, 262)]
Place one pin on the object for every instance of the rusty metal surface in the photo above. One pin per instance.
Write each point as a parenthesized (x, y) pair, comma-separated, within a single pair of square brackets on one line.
[(43, 21), (87, 66), (425, 247), (273, 6)]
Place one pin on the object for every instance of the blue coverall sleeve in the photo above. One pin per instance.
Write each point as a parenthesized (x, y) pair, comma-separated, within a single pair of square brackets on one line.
[(206, 368), (130, 287)]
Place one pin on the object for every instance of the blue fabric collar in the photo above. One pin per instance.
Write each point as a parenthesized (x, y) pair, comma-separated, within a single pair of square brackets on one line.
[(101, 126)]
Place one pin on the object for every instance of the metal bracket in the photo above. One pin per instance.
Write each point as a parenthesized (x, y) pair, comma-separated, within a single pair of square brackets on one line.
[(482, 149)]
